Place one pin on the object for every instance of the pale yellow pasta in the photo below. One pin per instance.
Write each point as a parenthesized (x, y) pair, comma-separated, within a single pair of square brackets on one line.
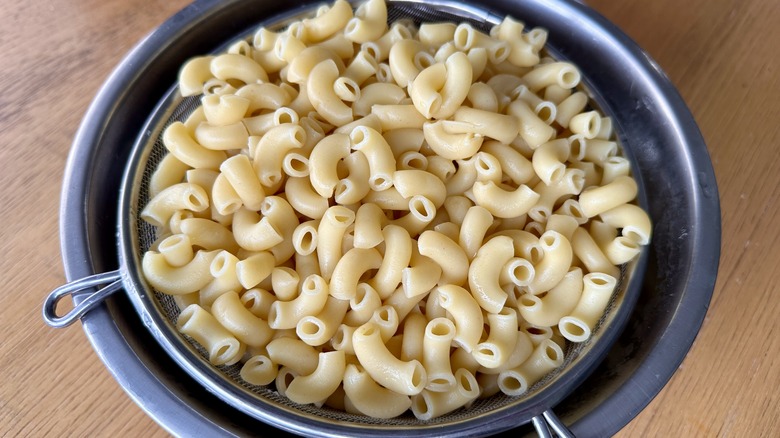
[(564, 224), (312, 298), (223, 110), (557, 303), (554, 264), (239, 173), (304, 237), (436, 34), (259, 125), (422, 274), (372, 121), (485, 270), (168, 172), (614, 167), (466, 313), (621, 250), (180, 143), (369, 22), (522, 350), (590, 254), (303, 198), (322, 382), (500, 343), (549, 160), (319, 88), (632, 219), (271, 148), (293, 353), (473, 229), (401, 60), (178, 280), (533, 130), (397, 254), (598, 150), (563, 74), (259, 370), (354, 187), (597, 290), (377, 93), (194, 74), (222, 347), (404, 140), (246, 327), (451, 145), (284, 282), (350, 268), (570, 107), (545, 357), (238, 67), (437, 339), (488, 168), (466, 37), (258, 301), (501, 127), (504, 203), (587, 124), (386, 320), (419, 182), (403, 377), (571, 183), (362, 306), (323, 160), (412, 160), (398, 116), (360, 69), (330, 22), (176, 249), (223, 270), (381, 162), (447, 254), (414, 325), (254, 269), (345, 184), (316, 330), (330, 232), (253, 232), (429, 404), (370, 398)]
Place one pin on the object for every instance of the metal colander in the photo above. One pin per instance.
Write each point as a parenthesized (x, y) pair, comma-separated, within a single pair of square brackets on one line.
[(159, 312)]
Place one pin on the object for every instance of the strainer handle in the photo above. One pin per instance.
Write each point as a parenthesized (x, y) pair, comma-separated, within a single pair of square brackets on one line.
[(548, 420), (113, 278)]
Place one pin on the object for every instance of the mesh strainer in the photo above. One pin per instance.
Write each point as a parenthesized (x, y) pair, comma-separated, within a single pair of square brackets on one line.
[(159, 312)]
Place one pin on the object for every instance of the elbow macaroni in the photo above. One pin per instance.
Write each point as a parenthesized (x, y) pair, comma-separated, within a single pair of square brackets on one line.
[(389, 219)]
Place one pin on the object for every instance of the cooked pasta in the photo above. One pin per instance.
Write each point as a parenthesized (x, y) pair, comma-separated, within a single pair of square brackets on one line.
[(390, 219)]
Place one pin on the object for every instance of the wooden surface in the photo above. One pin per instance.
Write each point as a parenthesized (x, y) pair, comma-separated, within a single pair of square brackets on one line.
[(721, 54)]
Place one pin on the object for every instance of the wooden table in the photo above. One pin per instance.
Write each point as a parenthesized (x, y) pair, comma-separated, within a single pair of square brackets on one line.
[(723, 56)]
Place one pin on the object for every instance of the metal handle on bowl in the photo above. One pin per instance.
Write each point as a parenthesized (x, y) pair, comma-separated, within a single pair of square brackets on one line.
[(113, 278), (548, 420)]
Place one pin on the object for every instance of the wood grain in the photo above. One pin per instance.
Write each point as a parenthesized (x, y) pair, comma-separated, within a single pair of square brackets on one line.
[(721, 54)]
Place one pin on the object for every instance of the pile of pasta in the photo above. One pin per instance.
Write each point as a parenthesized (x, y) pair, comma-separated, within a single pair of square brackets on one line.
[(382, 218)]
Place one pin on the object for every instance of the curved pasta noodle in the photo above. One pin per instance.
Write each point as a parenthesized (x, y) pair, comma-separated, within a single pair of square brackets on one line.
[(403, 377), (370, 398), (485, 271)]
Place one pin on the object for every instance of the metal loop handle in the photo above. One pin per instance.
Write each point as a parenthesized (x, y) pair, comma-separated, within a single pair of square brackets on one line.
[(548, 420), (73, 288)]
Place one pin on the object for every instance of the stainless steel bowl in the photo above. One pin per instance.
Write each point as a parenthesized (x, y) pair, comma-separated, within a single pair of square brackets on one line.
[(658, 130)]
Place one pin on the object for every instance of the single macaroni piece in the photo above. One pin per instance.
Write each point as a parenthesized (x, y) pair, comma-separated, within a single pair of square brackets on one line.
[(390, 218), (403, 377)]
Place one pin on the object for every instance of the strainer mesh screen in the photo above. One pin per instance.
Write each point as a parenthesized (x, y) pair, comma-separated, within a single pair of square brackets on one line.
[(178, 110)]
